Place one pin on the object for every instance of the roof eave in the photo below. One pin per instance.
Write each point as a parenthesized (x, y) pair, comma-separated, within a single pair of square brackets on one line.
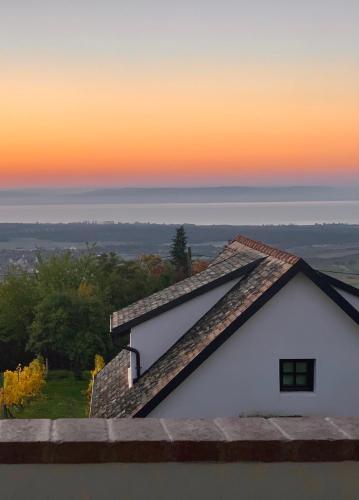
[(237, 273), (337, 283), (324, 284)]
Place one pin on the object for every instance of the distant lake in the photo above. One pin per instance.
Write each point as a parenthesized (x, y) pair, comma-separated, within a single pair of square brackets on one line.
[(238, 213)]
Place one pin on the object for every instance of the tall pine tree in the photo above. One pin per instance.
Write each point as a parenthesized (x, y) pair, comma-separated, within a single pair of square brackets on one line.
[(179, 256)]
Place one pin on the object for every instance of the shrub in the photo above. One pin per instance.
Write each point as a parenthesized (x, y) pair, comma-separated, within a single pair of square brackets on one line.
[(22, 384)]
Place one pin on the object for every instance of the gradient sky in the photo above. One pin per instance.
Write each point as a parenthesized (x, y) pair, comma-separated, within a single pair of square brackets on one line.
[(179, 92)]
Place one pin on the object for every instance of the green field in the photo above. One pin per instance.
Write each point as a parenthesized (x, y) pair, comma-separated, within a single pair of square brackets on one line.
[(62, 397)]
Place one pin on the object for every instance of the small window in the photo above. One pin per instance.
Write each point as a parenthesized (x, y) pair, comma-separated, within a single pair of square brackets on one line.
[(296, 374)]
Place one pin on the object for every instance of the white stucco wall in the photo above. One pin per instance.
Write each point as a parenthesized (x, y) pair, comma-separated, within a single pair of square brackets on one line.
[(242, 376), (155, 336), (352, 299)]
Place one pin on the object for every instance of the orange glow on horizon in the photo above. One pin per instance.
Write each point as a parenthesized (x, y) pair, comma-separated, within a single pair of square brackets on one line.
[(85, 128)]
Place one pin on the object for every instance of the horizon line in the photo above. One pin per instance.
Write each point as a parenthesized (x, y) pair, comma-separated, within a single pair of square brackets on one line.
[(200, 186)]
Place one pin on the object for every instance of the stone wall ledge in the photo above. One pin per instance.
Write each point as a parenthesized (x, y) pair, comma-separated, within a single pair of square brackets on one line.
[(282, 439)]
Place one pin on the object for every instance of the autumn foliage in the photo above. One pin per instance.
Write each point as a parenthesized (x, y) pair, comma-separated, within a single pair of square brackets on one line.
[(99, 364), (199, 265), (22, 384)]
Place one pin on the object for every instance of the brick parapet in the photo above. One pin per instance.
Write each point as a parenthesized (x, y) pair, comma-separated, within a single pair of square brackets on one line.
[(302, 439)]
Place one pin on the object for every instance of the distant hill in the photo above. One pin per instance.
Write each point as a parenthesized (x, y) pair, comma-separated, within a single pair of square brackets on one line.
[(220, 194)]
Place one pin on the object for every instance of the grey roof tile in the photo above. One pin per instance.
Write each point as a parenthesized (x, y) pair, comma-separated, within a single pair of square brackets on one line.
[(222, 270), (110, 384)]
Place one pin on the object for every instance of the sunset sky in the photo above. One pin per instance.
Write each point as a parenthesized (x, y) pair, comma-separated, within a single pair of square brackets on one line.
[(178, 92)]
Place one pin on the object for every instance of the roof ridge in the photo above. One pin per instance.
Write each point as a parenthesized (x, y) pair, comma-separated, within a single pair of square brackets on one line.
[(287, 257)]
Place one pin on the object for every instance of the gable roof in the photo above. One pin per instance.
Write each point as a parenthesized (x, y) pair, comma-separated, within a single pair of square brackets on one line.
[(271, 269), (226, 268)]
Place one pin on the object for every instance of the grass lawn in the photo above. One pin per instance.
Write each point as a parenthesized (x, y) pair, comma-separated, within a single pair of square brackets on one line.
[(62, 397)]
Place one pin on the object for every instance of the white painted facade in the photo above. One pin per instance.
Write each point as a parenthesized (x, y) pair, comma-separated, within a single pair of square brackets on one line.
[(242, 376), (352, 299), (155, 336)]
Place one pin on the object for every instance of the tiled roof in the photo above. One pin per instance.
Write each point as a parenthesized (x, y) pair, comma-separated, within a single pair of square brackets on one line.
[(111, 385), (242, 243), (224, 269), (113, 398)]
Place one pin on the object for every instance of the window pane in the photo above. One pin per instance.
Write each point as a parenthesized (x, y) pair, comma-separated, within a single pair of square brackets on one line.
[(301, 367), (301, 380), (288, 367), (288, 379)]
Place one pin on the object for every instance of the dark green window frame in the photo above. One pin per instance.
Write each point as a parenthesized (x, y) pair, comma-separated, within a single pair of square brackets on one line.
[(296, 375)]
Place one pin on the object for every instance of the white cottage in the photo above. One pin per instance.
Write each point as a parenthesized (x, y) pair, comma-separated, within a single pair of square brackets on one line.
[(259, 332)]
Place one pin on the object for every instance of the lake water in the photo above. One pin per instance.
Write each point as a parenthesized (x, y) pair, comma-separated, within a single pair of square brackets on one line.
[(240, 213)]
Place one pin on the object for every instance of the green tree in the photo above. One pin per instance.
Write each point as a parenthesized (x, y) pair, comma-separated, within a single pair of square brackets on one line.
[(123, 282), (65, 271), (62, 309), (18, 298), (70, 323), (179, 253)]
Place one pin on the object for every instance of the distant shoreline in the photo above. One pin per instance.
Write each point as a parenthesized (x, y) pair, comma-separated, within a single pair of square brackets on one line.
[(175, 225), (202, 213), (169, 203), (183, 195)]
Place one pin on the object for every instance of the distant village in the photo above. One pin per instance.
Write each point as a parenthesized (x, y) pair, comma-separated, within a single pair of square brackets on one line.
[(325, 246)]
